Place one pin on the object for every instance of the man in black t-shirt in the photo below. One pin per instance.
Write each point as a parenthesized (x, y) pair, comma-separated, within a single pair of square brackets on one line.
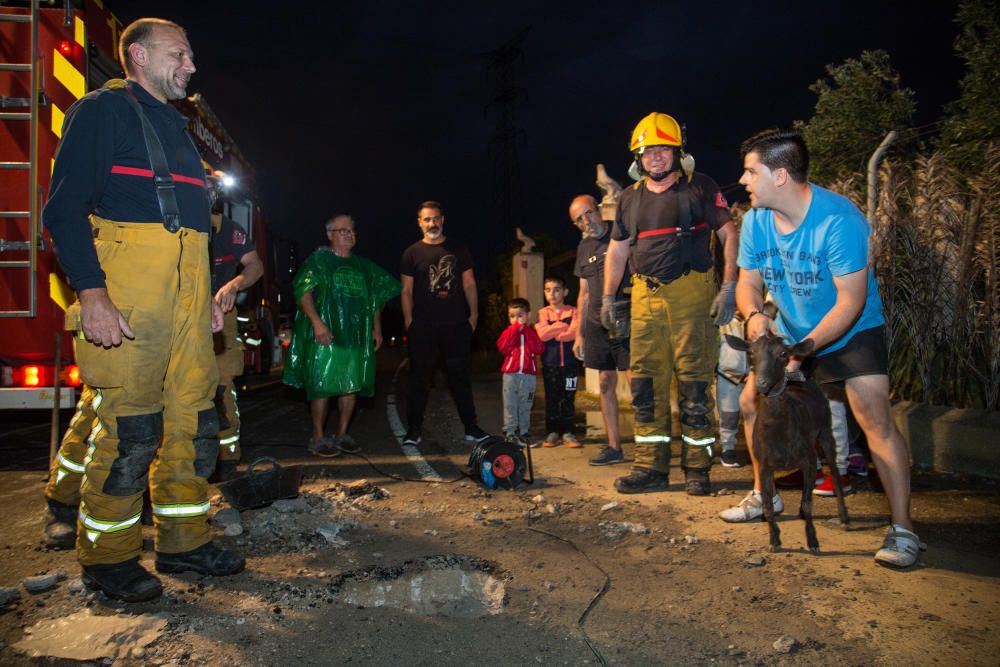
[(593, 345), (440, 312)]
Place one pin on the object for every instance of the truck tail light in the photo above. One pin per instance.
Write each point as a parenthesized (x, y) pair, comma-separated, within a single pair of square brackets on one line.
[(66, 47), (31, 376), (71, 375)]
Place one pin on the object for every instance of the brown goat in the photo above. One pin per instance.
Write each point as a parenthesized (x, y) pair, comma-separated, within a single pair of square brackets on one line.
[(791, 428)]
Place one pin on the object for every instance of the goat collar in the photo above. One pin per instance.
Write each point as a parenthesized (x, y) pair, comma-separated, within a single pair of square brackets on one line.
[(789, 376)]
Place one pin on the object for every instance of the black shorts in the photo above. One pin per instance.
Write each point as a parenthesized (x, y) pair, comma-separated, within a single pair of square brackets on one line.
[(865, 354), (602, 353)]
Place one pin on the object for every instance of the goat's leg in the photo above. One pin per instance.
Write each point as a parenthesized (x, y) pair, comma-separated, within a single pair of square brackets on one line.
[(828, 446), (767, 499), (808, 468)]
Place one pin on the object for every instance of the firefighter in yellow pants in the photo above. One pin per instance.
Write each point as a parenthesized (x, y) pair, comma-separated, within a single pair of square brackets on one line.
[(663, 231), (62, 492), (168, 312)]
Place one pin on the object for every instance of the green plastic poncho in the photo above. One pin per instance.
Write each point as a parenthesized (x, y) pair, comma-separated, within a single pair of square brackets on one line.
[(347, 292)]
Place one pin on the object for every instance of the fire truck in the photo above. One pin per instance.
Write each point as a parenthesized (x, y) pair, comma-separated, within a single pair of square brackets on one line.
[(51, 56)]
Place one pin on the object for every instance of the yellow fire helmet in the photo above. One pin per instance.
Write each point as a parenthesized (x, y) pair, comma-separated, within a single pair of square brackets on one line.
[(656, 129)]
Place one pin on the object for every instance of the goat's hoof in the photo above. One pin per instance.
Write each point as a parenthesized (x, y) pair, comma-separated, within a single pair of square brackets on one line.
[(775, 548), (815, 550)]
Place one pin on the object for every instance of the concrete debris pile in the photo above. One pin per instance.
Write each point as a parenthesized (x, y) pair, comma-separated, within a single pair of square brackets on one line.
[(312, 521)]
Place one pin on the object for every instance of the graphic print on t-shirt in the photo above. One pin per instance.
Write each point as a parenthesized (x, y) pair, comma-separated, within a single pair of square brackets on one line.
[(440, 276), (800, 271)]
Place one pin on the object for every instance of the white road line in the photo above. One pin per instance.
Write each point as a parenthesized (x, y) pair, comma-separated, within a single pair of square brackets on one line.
[(424, 469)]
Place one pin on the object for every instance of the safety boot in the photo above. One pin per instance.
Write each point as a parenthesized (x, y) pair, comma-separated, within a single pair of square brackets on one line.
[(641, 480), (126, 581), (696, 483), (206, 559), (60, 525)]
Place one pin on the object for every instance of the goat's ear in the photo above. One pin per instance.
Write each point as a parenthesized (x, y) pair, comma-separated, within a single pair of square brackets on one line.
[(802, 348), (737, 343)]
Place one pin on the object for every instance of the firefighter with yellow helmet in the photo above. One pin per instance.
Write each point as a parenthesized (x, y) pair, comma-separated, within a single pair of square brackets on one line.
[(663, 229)]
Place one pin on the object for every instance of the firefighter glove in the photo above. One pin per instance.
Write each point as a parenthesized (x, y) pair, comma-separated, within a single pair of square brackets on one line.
[(608, 311), (724, 306)]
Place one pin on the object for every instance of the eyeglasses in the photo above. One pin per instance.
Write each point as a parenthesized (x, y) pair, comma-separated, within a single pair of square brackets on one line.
[(344, 230)]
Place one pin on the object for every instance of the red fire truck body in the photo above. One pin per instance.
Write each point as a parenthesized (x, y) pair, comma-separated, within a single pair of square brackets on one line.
[(74, 49)]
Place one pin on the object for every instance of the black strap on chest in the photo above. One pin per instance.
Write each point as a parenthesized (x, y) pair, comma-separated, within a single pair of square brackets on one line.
[(162, 180), (684, 218)]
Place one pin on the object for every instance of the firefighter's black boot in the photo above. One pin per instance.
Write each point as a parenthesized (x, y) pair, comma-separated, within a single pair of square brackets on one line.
[(206, 559), (697, 483), (126, 581), (640, 480), (60, 525)]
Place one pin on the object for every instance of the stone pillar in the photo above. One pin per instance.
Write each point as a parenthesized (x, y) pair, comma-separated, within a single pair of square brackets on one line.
[(529, 274)]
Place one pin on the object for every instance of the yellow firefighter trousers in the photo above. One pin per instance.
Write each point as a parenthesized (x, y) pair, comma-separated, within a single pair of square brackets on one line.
[(66, 471), (155, 418), (673, 334), (229, 357)]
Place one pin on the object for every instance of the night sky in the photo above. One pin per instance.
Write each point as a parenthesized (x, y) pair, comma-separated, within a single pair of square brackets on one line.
[(371, 107)]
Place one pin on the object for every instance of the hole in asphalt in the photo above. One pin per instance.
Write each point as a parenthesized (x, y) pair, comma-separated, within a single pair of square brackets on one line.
[(447, 585)]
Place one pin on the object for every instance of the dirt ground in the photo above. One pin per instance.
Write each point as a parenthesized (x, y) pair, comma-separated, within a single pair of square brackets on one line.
[(414, 573)]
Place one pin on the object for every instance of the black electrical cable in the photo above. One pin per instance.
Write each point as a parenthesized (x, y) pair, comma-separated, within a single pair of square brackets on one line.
[(408, 479), (593, 601)]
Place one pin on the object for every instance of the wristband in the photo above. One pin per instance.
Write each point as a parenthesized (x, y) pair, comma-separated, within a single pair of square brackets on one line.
[(755, 312)]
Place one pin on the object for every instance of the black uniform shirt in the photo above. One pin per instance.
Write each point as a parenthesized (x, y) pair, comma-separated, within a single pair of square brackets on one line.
[(658, 251), (102, 167)]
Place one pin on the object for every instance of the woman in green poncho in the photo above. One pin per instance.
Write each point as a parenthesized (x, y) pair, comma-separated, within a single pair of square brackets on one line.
[(337, 330)]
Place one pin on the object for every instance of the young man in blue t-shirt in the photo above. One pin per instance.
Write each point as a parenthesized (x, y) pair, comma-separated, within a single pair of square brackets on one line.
[(809, 247)]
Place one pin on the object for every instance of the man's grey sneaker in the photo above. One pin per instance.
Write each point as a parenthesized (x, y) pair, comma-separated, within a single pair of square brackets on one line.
[(730, 459), (750, 508), (607, 456), (640, 480), (60, 525), (346, 443), (126, 581), (696, 483), (475, 434), (900, 548), (324, 446), (412, 437), (551, 440)]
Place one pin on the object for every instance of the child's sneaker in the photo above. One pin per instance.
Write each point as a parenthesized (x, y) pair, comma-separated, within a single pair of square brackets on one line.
[(857, 465), (570, 441), (730, 459), (551, 440), (827, 489)]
